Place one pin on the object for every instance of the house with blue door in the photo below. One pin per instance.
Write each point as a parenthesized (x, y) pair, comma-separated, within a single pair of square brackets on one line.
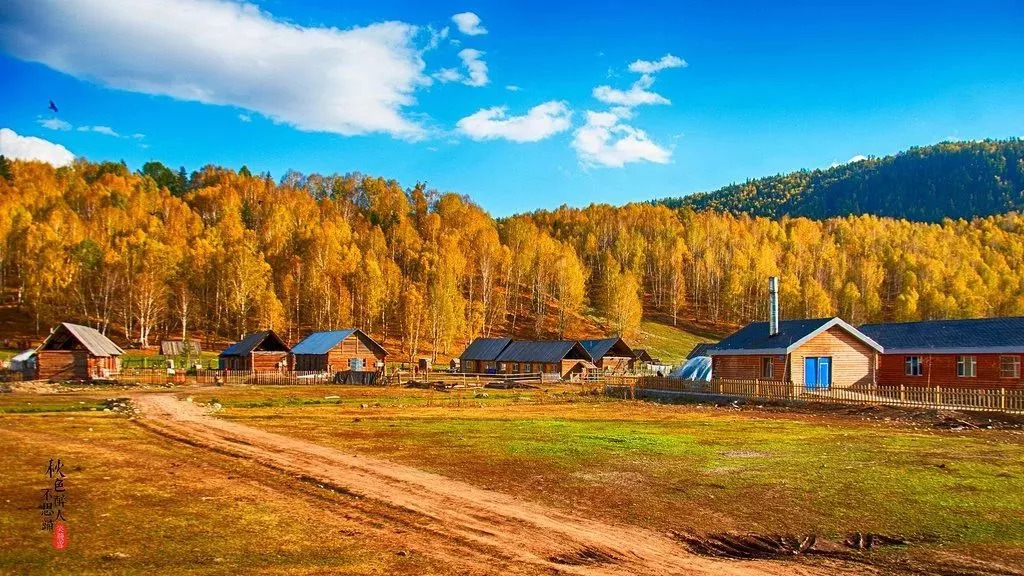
[(337, 351), (819, 353)]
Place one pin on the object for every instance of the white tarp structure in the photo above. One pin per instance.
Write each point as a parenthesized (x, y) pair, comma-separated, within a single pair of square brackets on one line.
[(24, 361), (696, 368)]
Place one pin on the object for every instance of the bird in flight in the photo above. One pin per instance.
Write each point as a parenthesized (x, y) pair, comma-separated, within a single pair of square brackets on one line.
[(53, 106)]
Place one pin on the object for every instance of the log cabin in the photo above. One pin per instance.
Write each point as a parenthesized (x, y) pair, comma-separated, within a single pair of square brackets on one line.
[(262, 351), (566, 358), (610, 354), (350, 351), (74, 352), (481, 356), (972, 353), (814, 354)]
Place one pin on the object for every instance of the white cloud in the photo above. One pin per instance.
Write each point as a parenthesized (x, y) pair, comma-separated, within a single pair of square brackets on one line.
[(512, 88), (648, 67), (445, 75), (106, 130), (857, 158), (638, 94), (604, 141), (245, 117), (540, 122), (476, 68), (352, 81), (469, 24), (17, 147), (54, 124), (138, 136)]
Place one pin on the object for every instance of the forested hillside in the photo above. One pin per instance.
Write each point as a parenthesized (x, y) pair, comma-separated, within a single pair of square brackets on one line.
[(220, 252), (927, 184)]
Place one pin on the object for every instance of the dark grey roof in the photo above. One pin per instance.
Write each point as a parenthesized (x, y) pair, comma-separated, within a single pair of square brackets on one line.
[(754, 338), (700, 350), (252, 341), (486, 349), (97, 344), (978, 335), (600, 348), (547, 351)]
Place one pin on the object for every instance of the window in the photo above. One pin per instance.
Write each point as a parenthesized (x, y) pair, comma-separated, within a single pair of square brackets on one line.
[(766, 367), (515, 367), (912, 366), (1009, 366), (528, 368), (966, 366)]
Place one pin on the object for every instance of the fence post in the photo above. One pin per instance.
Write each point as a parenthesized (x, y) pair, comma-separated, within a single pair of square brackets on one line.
[(757, 388), (1002, 398), (938, 395), (903, 393)]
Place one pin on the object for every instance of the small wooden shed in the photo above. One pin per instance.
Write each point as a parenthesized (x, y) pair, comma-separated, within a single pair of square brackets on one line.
[(338, 351), (262, 351), (74, 352), (610, 354)]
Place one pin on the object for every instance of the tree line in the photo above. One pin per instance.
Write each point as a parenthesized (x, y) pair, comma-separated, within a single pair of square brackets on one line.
[(217, 253), (928, 184)]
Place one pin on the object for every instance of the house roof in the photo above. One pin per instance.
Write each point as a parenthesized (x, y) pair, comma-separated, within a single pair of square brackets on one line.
[(643, 355), (178, 347), (97, 344), (754, 338), (600, 348), (319, 343), (976, 335), (700, 349), (485, 349), (252, 341), (547, 351)]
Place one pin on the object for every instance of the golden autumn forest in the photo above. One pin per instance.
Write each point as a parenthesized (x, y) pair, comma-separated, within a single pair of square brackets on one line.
[(223, 252)]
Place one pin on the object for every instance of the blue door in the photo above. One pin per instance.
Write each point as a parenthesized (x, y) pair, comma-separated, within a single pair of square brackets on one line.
[(810, 373), (824, 372)]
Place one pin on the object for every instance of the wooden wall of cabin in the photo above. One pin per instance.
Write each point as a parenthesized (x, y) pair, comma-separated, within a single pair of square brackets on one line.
[(748, 367), (940, 370), (853, 362), (266, 361), (615, 363), (75, 365), (62, 365), (340, 357)]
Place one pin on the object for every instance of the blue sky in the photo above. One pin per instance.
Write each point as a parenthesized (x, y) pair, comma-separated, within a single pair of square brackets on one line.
[(578, 103)]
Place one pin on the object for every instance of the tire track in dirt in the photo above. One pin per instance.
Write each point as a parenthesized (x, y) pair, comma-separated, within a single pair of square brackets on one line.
[(458, 523)]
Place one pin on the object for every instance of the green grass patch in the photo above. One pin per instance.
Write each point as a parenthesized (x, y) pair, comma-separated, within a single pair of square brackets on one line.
[(667, 343)]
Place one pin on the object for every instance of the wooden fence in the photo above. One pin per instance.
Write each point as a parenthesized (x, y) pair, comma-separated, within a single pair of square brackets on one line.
[(224, 377), (935, 397)]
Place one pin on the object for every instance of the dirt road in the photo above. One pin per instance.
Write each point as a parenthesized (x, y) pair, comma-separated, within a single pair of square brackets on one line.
[(481, 531)]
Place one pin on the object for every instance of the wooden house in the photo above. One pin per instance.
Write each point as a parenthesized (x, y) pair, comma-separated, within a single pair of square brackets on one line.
[(610, 354), (813, 354), (973, 353), (338, 351), (481, 356), (262, 351), (562, 357), (73, 352)]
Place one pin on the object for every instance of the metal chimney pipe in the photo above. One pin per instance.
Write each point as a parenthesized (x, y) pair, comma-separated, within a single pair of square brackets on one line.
[(773, 305)]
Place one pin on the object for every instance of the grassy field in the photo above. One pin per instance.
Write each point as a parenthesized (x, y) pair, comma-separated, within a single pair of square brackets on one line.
[(686, 468), (689, 469), (140, 504), (666, 342)]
